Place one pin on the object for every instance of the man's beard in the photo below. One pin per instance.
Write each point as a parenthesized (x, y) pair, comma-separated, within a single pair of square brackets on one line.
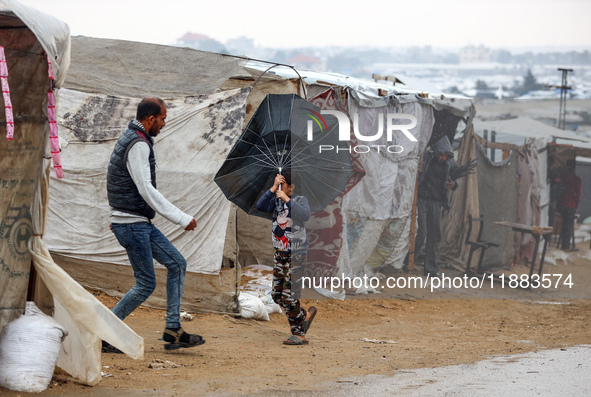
[(153, 130)]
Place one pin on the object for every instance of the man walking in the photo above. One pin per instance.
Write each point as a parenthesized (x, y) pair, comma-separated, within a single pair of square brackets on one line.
[(134, 201)]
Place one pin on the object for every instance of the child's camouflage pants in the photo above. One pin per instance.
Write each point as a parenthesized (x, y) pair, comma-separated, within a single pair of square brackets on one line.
[(287, 288)]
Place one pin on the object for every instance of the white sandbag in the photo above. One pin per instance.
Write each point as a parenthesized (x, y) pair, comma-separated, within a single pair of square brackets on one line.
[(252, 307), (29, 347), (340, 294), (270, 304)]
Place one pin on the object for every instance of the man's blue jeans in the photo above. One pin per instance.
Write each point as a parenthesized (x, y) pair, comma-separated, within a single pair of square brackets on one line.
[(144, 243)]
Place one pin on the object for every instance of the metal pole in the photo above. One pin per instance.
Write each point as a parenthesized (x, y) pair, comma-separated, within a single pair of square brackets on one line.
[(493, 139), (563, 91)]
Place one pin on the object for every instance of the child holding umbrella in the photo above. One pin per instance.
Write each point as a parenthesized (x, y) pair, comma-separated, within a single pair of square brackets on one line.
[(291, 245)]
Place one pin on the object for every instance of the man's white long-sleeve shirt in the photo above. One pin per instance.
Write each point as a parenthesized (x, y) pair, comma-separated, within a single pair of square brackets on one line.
[(138, 166)]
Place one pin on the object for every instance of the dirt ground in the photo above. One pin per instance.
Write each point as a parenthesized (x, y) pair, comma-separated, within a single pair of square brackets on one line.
[(430, 329)]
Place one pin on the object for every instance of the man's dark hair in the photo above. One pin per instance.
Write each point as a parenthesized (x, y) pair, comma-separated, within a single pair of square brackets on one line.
[(571, 164), (149, 107)]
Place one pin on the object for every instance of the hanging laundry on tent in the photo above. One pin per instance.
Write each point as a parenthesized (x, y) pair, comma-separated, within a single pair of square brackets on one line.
[(6, 95)]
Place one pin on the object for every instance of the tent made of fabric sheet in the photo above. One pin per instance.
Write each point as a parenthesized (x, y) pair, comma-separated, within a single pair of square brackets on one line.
[(381, 204), (464, 201), (208, 96), (368, 227), (31, 38), (523, 131), (375, 214), (584, 172), (507, 190), (199, 133), (133, 69), (497, 204), (523, 149), (190, 149)]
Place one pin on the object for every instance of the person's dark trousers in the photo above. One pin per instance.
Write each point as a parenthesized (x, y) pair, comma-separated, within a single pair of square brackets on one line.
[(429, 233), (568, 227), (144, 243), (286, 290)]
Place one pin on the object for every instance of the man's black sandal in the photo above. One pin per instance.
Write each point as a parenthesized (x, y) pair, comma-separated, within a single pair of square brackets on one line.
[(179, 338)]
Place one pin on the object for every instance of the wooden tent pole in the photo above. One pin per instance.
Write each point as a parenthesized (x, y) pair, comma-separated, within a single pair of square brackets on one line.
[(413, 217)]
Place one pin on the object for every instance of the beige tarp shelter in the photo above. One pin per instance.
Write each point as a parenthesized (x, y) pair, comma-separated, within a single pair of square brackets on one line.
[(30, 38), (512, 188), (208, 97)]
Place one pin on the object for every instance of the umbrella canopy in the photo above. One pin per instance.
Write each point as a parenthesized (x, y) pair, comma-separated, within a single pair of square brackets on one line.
[(286, 134)]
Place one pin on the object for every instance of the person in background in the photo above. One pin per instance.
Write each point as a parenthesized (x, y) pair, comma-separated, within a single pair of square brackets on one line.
[(134, 202), (567, 204), (291, 246), (434, 184)]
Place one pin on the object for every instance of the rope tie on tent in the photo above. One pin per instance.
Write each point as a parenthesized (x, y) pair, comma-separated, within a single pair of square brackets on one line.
[(6, 95), (53, 136)]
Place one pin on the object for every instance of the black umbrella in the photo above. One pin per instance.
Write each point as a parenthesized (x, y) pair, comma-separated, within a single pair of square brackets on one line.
[(277, 140)]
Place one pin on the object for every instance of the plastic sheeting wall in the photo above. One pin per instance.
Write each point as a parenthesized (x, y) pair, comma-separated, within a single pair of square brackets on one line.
[(497, 194), (20, 164), (199, 133), (463, 202), (584, 172), (378, 208), (327, 229), (528, 198), (24, 170)]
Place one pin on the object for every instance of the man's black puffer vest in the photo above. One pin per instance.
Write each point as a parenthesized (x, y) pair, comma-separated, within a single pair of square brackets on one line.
[(121, 190)]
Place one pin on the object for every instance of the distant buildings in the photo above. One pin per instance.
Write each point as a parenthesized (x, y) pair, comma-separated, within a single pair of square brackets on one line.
[(473, 54), (501, 74)]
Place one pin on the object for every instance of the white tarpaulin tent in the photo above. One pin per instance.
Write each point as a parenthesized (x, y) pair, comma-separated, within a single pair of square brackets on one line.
[(192, 146), (375, 214), (107, 80)]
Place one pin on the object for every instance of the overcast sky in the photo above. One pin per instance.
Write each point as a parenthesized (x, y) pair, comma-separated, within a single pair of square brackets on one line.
[(441, 23)]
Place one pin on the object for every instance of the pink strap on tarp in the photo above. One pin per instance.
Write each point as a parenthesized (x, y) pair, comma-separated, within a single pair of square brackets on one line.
[(50, 69), (6, 95), (53, 137)]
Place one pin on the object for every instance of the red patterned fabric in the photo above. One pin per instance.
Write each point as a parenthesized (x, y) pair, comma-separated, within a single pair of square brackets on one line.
[(325, 228)]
